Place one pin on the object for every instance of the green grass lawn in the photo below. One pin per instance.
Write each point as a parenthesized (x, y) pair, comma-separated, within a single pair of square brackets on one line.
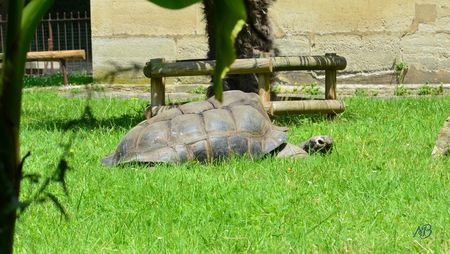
[(56, 80), (369, 195)]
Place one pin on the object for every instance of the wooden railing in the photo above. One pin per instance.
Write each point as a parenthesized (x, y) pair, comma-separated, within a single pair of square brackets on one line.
[(62, 56), (158, 69)]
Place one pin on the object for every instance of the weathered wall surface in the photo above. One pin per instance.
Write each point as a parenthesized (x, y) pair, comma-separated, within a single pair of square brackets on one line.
[(127, 32), (370, 34)]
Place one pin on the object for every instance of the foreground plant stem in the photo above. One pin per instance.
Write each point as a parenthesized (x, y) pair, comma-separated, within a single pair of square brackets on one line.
[(22, 21), (10, 100)]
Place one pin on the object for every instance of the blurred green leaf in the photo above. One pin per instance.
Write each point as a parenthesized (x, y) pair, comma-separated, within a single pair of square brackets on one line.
[(229, 17), (174, 4)]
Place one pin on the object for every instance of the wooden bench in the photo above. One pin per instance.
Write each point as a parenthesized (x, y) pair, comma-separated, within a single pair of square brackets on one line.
[(158, 69), (62, 56)]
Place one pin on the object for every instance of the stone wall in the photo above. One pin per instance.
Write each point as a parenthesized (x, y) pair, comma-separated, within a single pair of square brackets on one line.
[(371, 34)]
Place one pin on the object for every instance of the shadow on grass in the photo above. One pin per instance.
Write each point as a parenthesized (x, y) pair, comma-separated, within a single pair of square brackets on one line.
[(295, 119), (88, 121), (132, 119)]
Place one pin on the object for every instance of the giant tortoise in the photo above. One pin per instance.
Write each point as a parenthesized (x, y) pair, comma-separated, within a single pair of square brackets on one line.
[(442, 147), (209, 130)]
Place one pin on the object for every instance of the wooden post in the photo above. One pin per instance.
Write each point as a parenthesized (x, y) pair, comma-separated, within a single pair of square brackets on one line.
[(264, 87), (264, 80), (330, 84), (158, 93), (330, 81), (64, 71)]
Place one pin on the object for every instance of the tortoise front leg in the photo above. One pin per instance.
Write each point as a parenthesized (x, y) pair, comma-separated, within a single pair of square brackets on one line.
[(291, 151)]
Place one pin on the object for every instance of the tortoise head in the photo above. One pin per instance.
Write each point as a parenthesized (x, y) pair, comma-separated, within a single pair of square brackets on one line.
[(318, 144)]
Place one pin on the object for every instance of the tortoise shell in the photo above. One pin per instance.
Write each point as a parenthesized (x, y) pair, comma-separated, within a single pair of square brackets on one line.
[(202, 131)]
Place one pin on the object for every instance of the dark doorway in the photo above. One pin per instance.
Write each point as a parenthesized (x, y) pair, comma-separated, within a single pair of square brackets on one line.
[(70, 6)]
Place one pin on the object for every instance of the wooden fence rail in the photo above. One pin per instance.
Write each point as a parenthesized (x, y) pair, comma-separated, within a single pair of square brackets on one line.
[(158, 69), (62, 56)]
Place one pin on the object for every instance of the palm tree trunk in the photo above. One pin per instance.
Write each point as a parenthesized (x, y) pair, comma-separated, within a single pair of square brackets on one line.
[(254, 40)]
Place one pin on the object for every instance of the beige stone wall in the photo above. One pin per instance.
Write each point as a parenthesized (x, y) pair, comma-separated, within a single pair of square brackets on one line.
[(370, 34), (131, 32)]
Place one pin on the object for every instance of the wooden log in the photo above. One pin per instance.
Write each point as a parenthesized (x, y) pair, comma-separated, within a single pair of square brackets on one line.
[(306, 107), (330, 80), (277, 107), (330, 84), (247, 66), (158, 93), (206, 67), (64, 71), (330, 61), (56, 55), (264, 80)]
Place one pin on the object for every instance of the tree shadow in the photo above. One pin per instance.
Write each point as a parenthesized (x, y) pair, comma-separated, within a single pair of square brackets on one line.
[(87, 121), (300, 119), (296, 119)]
